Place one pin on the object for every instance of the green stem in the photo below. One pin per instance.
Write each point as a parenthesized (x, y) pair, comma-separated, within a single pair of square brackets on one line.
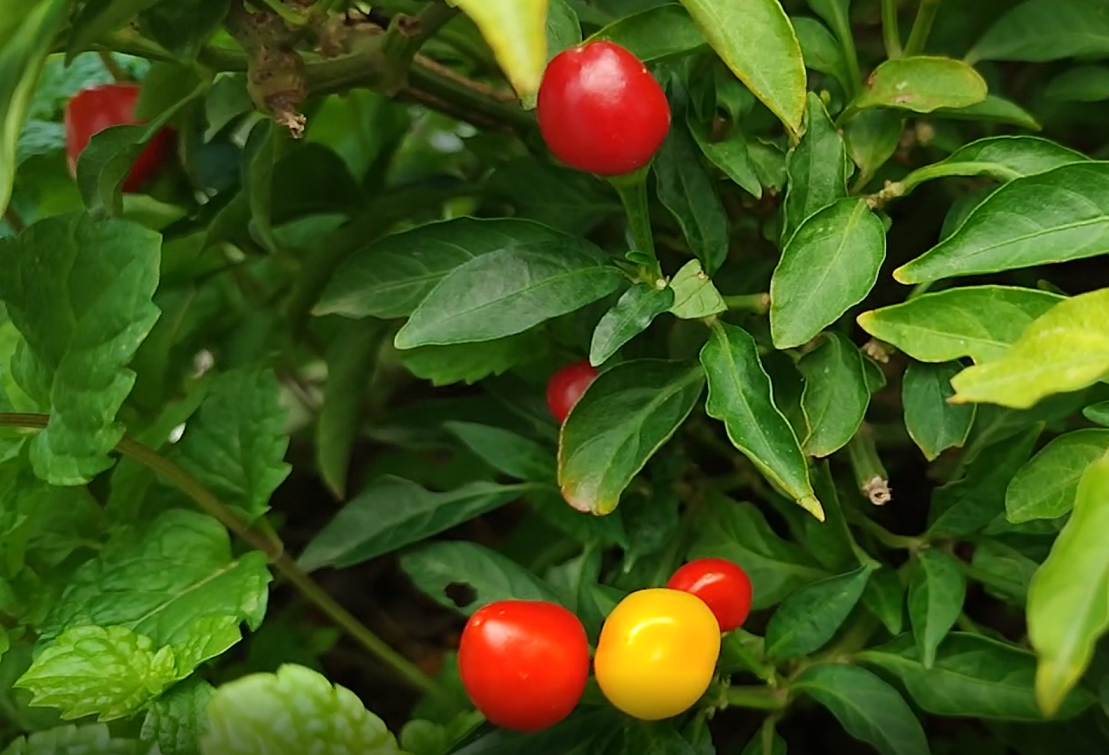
[(407, 35), (632, 189), (112, 67), (906, 185), (757, 303), (922, 27), (919, 290), (756, 697), (851, 56), (891, 30), (884, 536), (870, 474)]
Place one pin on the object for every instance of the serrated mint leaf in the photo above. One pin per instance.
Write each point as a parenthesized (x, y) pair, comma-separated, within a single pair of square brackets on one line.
[(173, 581), (177, 719), (235, 443), (107, 672), (295, 710), (91, 739), (79, 291)]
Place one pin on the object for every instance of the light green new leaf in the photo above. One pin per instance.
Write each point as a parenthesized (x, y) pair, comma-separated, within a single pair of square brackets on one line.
[(1041, 30), (829, 265), (741, 396), (1045, 487), (109, 673), (91, 739), (619, 423), (979, 322), (695, 295), (294, 710), (507, 291), (516, 31), (937, 590), (1068, 599), (922, 84), (755, 40), (1065, 349), (867, 707), (178, 718), (1055, 216), (836, 394), (817, 168), (934, 424), (809, 617), (632, 313), (80, 292)]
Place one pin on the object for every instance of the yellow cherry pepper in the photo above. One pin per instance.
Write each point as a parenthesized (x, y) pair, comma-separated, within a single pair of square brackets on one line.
[(657, 653)]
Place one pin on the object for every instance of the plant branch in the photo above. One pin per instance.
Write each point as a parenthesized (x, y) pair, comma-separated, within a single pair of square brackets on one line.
[(922, 27), (891, 29), (756, 697)]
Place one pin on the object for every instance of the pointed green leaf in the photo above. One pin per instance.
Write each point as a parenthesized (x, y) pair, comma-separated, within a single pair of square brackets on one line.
[(817, 168), (740, 395), (632, 313), (506, 451), (695, 296), (937, 590), (836, 395), (808, 618), (993, 109), (872, 138), (934, 424), (884, 597), (659, 32), (829, 265), (1023, 155), (1045, 487), (922, 84), (1043, 30), (731, 154), (821, 50)]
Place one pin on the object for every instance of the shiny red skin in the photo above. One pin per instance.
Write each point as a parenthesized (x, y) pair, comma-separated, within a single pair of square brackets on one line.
[(600, 110), (566, 387), (92, 110), (524, 663), (721, 584)]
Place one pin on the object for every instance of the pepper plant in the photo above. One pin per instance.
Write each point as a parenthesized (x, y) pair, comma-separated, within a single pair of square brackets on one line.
[(735, 384)]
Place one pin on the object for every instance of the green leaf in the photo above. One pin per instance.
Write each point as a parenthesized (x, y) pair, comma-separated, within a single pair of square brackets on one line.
[(632, 313), (654, 34), (755, 40), (884, 597), (471, 362), (836, 394), (738, 531), (80, 292), (1065, 349), (1068, 599), (516, 32), (109, 673), (821, 50), (235, 443), (88, 739), (436, 566), (937, 591), (619, 423), (1055, 216), (922, 84), (1043, 30), (392, 512), (184, 27), (817, 169), (177, 720), (313, 715), (872, 138), (563, 27), (1080, 84), (1023, 155), (766, 742), (979, 322), (1045, 487), (506, 451), (740, 395), (695, 295), (685, 188), (1097, 413), (388, 278), (1009, 571), (867, 707), (507, 291), (934, 424), (972, 677), (731, 154), (809, 617), (993, 109), (829, 265)]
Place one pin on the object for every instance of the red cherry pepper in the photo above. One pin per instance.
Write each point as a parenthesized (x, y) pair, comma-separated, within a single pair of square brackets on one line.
[(566, 387), (92, 110), (721, 584), (600, 110), (524, 663)]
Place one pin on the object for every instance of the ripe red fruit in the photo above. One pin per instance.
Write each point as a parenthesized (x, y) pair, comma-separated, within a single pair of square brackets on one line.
[(600, 110), (566, 386), (524, 663), (721, 584), (92, 110)]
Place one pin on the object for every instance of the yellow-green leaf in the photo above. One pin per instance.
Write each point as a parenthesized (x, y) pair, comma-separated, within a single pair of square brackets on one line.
[(516, 30), (1065, 349), (756, 41), (1068, 598), (922, 84)]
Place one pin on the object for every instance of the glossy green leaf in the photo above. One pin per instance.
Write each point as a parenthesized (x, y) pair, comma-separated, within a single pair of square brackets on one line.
[(1068, 599), (972, 677), (922, 84), (868, 708), (884, 597), (695, 296), (740, 395), (392, 512), (1080, 84), (829, 265), (619, 423), (516, 32), (817, 169), (821, 50), (632, 313), (979, 322), (808, 618), (755, 40), (1055, 216), (654, 34), (435, 567), (1097, 413), (872, 138), (178, 719), (1065, 349), (471, 362), (836, 395), (1042, 30), (563, 27), (507, 291), (506, 451), (934, 424), (937, 591), (1045, 487), (1023, 155)]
